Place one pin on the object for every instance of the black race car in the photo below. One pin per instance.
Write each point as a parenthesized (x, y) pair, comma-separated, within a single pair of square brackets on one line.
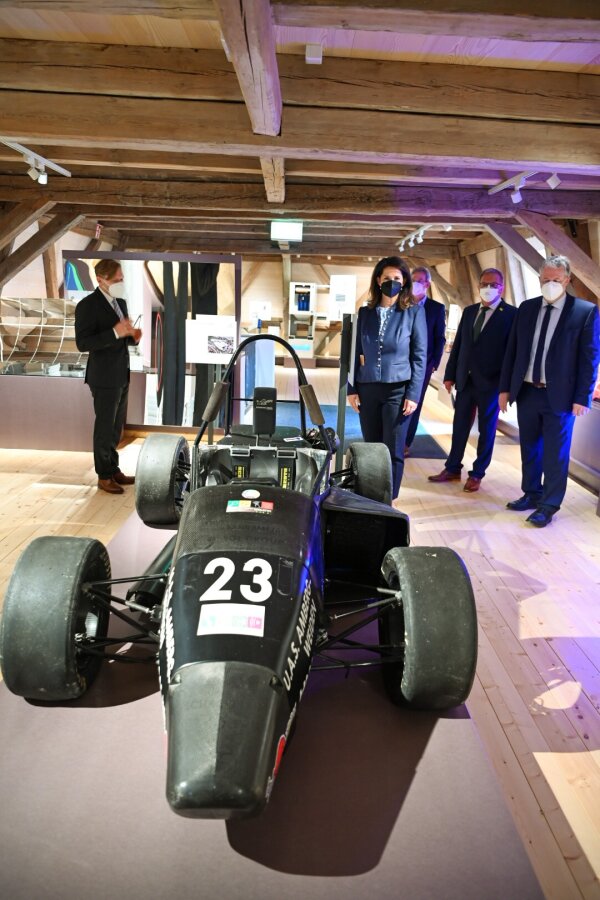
[(268, 538)]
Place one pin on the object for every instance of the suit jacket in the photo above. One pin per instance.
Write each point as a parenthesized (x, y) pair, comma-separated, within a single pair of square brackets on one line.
[(435, 314), (108, 360), (480, 360), (404, 352), (572, 357)]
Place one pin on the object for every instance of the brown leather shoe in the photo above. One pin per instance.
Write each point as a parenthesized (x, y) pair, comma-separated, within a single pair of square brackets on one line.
[(472, 484), (123, 479), (111, 487), (444, 475)]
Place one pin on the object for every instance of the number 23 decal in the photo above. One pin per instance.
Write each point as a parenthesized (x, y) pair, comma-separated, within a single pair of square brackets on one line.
[(259, 589)]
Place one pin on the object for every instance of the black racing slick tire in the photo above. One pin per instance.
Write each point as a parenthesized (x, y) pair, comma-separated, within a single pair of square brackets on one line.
[(48, 613), (433, 629), (371, 468), (162, 480)]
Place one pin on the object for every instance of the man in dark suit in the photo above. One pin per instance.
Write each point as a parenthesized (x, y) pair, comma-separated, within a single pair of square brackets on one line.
[(435, 316), (550, 370), (103, 330), (474, 367)]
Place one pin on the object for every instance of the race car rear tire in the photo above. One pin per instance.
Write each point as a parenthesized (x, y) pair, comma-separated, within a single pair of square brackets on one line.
[(45, 607), (162, 480), (434, 627), (371, 467)]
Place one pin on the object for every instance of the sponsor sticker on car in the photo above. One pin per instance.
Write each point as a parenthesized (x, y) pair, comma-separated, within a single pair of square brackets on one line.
[(232, 618), (250, 506)]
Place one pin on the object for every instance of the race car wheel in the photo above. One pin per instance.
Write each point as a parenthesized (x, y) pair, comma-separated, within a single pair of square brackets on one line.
[(434, 627), (371, 468), (47, 612), (162, 480)]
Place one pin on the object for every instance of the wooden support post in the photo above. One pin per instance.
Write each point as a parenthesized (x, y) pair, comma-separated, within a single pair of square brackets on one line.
[(273, 169), (36, 244), (516, 243), (552, 235), (445, 287), (21, 217), (463, 282), (286, 275), (513, 272)]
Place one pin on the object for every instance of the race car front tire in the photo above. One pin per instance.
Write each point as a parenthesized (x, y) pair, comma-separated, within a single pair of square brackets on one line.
[(162, 480), (371, 467), (433, 628), (47, 613)]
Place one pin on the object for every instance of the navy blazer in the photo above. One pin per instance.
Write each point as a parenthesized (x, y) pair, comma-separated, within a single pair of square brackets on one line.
[(480, 360), (572, 357), (435, 314), (404, 353), (108, 360)]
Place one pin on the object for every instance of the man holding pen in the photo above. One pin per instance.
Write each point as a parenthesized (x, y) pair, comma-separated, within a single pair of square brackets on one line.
[(104, 331)]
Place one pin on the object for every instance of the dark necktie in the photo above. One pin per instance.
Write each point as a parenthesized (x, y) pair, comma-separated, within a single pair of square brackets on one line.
[(479, 321), (536, 376)]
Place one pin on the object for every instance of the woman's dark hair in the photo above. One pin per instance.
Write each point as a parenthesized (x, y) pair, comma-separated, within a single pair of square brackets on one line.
[(404, 297)]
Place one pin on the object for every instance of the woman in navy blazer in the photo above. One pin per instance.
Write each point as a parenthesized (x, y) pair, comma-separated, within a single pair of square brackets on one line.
[(390, 360)]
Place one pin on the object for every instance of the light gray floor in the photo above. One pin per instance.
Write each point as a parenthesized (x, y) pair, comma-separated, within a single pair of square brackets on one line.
[(370, 802)]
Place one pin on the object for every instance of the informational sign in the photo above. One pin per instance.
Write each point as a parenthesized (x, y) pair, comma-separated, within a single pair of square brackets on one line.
[(210, 339)]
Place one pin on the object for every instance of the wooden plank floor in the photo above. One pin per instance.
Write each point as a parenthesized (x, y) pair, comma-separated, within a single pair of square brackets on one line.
[(535, 701)]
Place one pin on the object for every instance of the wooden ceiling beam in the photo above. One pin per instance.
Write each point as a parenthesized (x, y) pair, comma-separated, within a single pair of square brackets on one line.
[(517, 21), (21, 216), (168, 9), (247, 28), (339, 246), (184, 74), (360, 136), (36, 244), (300, 201)]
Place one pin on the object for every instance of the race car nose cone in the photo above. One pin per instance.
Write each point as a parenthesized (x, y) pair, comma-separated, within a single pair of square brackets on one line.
[(223, 720)]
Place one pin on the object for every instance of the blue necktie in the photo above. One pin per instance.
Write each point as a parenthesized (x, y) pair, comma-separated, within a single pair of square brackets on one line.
[(536, 376)]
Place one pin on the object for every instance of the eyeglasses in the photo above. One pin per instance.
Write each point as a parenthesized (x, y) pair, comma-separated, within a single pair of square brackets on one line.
[(492, 284)]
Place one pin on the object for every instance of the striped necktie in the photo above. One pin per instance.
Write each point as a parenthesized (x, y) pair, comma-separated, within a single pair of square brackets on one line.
[(117, 309), (536, 375)]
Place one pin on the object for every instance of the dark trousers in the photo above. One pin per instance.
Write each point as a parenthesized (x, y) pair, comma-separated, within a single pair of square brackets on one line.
[(382, 421), (545, 439), (110, 407), (414, 419), (469, 401)]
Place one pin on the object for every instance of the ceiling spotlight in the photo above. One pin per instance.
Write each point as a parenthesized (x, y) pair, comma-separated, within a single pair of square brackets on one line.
[(43, 177), (516, 195), (419, 238), (411, 243), (370, 259), (447, 227), (553, 182), (33, 173)]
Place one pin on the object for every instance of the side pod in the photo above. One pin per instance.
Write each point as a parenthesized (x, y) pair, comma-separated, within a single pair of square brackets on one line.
[(226, 723)]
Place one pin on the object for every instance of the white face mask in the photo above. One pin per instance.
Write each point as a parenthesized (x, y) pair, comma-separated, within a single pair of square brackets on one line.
[(117, 291), (418, 290), (552, 290), (488, 294)]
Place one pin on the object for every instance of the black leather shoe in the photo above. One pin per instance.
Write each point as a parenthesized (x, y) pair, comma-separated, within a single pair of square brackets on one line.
[(523, 503), (541, 517)]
